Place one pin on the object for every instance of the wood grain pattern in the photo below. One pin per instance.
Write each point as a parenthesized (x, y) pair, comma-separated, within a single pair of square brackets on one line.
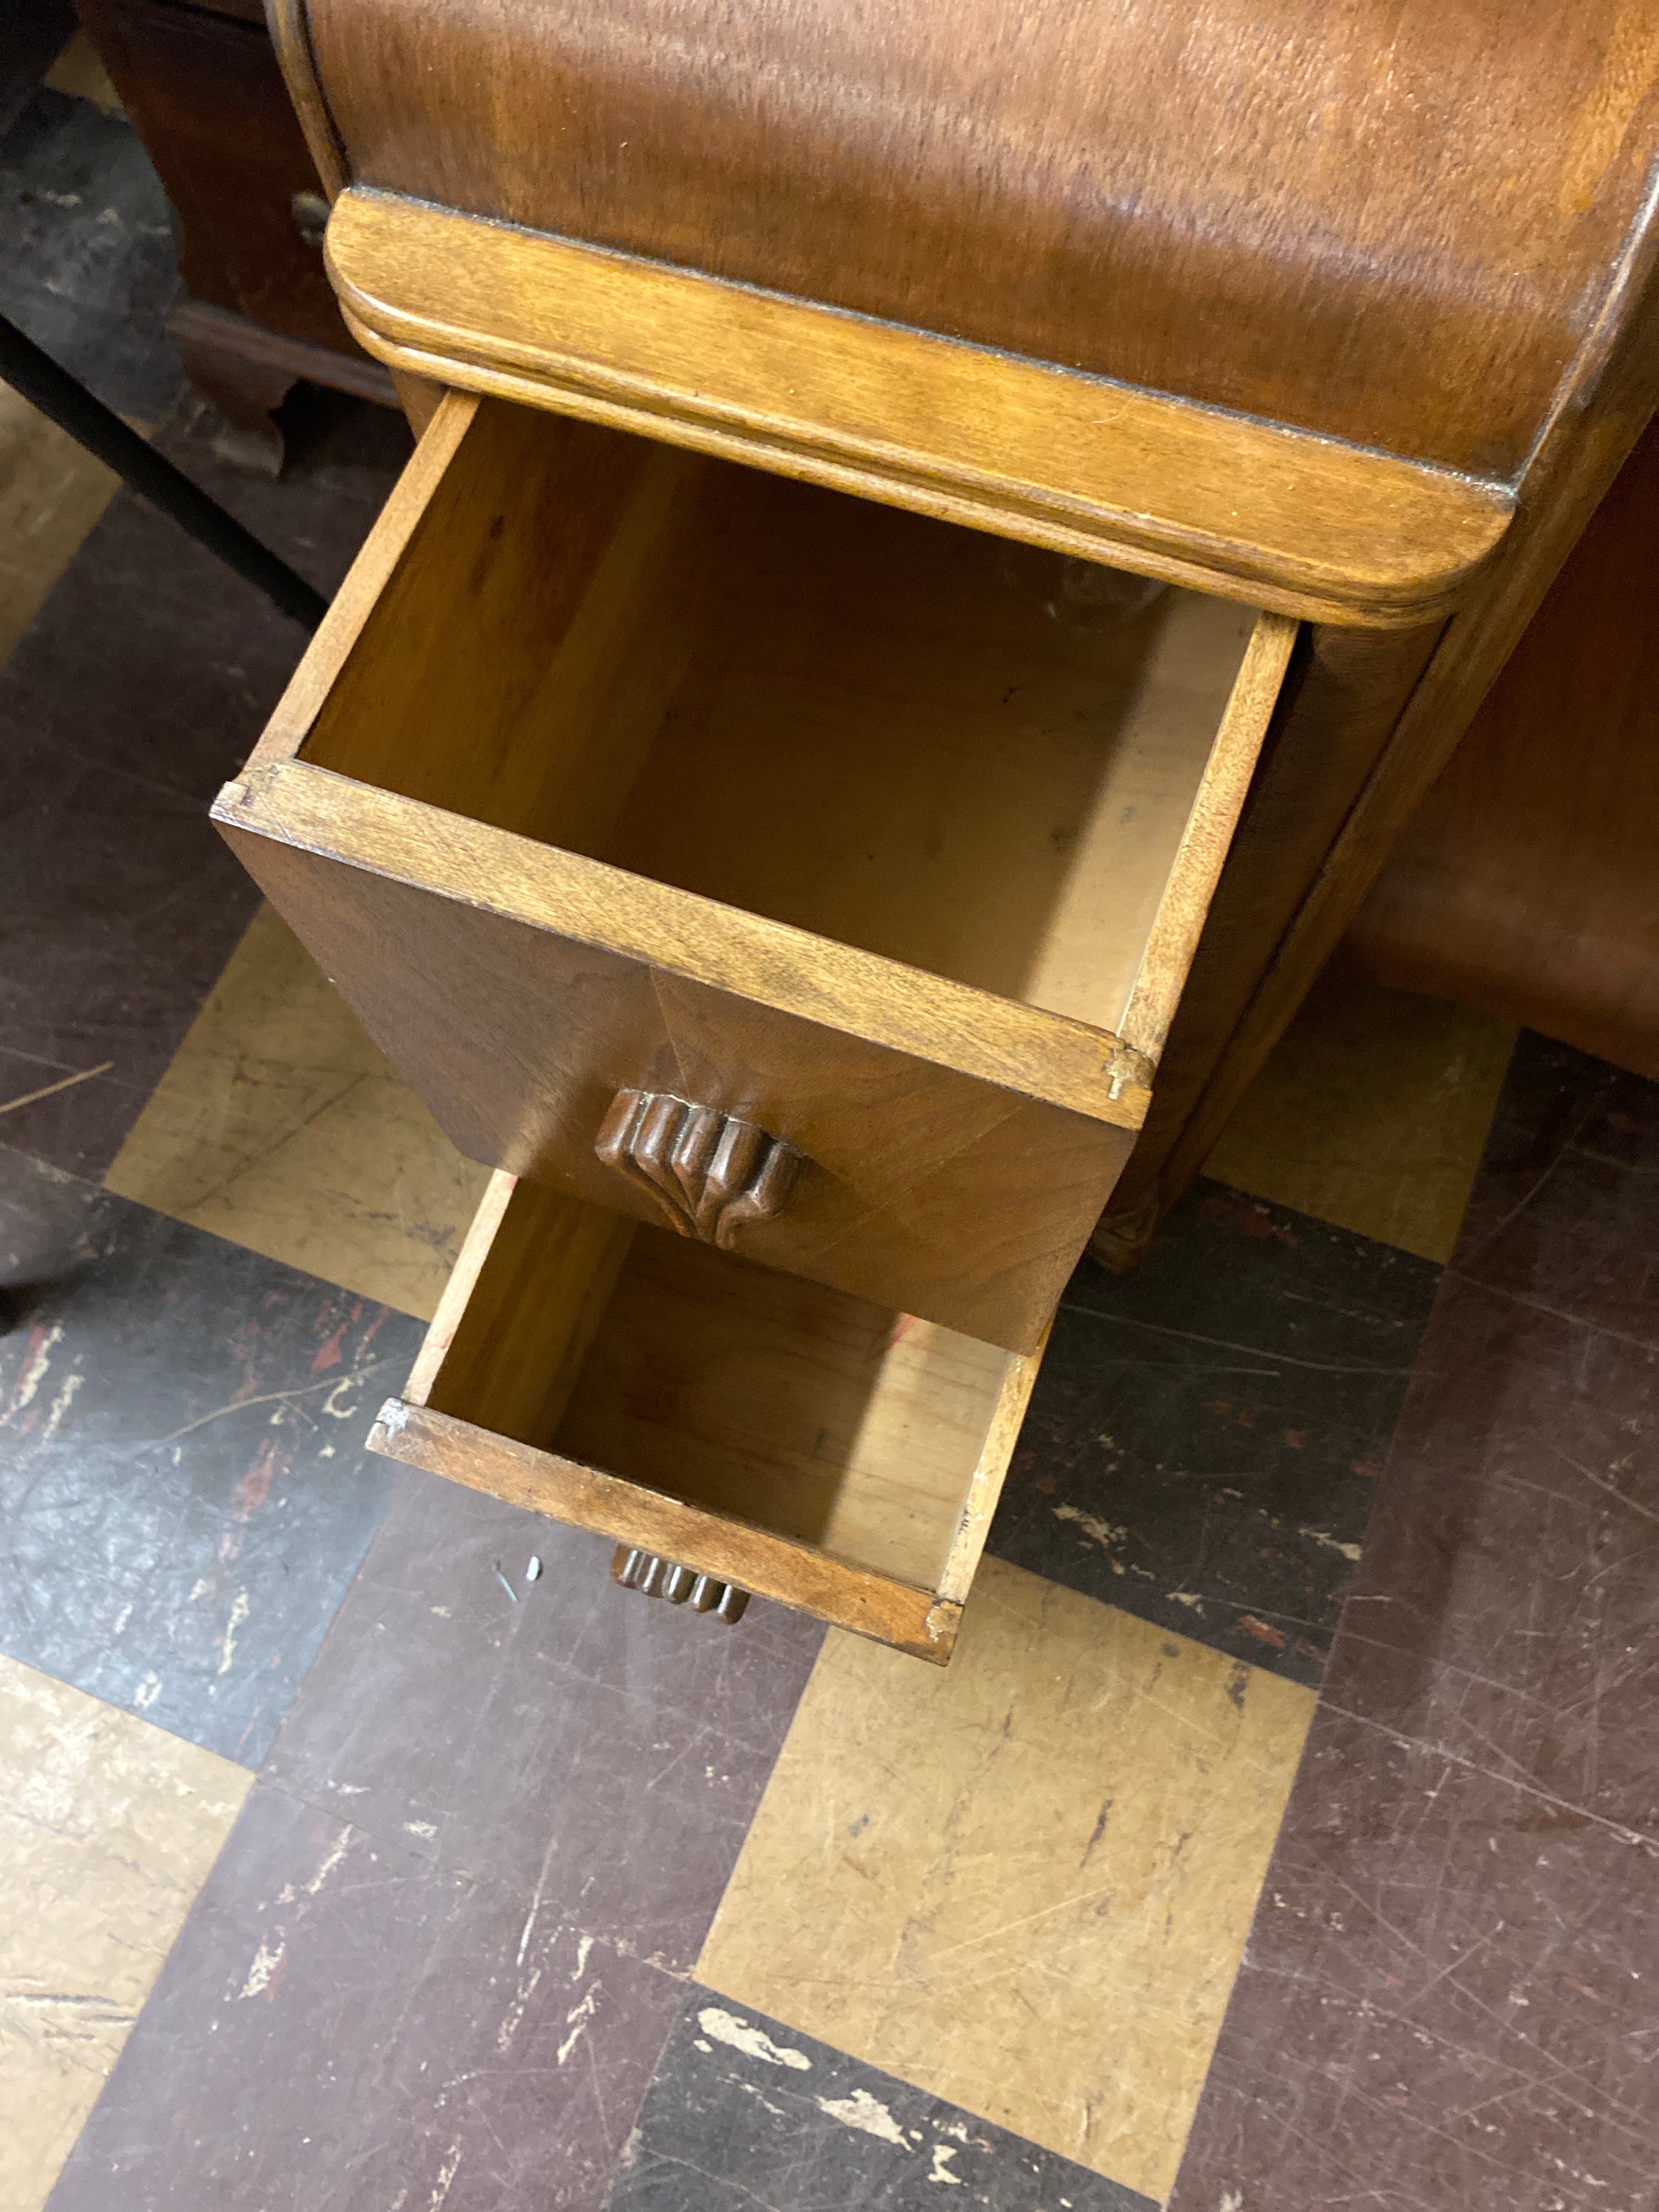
[(1206, 838), (520, 1311), (830, 1419), (1390, 221), (977, 782), (1527, 882), (761, 1430), (290, 33), (1343, 693), (1246, 509), (1602, 410), (485, 966)]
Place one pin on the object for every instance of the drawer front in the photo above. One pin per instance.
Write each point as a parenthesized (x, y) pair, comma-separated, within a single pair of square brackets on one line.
[(920, 1186), (759, 1430)]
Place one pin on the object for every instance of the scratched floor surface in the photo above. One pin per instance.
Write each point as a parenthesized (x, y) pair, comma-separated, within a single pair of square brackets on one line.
[(344, 1863)]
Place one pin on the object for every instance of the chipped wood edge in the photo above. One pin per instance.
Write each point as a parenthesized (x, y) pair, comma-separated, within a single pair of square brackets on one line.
[(920, 1622)]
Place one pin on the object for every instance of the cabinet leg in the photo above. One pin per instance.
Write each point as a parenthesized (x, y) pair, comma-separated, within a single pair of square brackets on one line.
[(247, 394)]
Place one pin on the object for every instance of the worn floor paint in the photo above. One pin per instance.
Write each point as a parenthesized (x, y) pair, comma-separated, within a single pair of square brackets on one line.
[(1023, 1883), (281, 1127), (123, 902), (90, 266), (185, 1493), (1371, 1112), (108, 1827), (1204, 1439), (742, 2109), (1451, 1997)]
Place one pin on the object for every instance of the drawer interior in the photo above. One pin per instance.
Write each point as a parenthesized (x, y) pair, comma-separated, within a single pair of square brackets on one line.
[(682, 1372), (968, 754)]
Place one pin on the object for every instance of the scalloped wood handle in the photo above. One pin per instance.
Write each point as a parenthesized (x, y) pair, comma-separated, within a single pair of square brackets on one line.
[(711, 1173)]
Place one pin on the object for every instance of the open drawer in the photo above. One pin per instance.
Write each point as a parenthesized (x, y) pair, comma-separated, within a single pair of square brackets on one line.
[(765, 1431), (811, 879)]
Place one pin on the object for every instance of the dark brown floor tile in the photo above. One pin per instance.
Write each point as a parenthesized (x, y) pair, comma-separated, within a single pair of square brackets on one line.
[(1450, 2000), (1204, 1438), (1507, 1609), (1565, 1212), (141, 686), (598, 1749), (343, 2023), (185, 1493), (743, 2110), (1450, 1995), (1582, 1245), (66, 1112)]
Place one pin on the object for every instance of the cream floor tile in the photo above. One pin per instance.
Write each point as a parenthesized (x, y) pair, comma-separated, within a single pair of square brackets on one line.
[(78, 72), (51, 492), (1371, 1112), (108, 1827), (1024, 1883), (279, 1125)]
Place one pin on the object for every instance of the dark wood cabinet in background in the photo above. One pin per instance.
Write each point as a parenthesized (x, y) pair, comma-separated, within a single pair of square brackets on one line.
[(204, 91)]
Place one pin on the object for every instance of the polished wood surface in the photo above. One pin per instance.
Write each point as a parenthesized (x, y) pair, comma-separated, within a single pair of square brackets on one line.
[(764, 1431), (1392, 221), (1277, 520), (1528, 882)]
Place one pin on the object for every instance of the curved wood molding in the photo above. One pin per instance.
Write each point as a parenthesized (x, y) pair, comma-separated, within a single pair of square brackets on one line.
[(1387, 221), (1247, 509), (290, 33)]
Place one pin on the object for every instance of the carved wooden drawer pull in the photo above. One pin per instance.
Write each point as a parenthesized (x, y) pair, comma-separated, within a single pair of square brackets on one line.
[(655, 1577), (712, 1172)]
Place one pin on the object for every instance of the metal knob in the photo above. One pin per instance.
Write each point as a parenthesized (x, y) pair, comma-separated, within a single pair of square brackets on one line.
[(654, 1576)]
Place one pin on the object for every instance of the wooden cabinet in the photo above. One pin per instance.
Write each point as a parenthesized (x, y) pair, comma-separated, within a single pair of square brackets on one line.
[(808, 882), (1528, 882), (202, 88), (923, 599)]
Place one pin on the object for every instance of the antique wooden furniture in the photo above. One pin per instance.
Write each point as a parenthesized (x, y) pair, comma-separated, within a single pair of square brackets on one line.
[(1528, 882), (926, 602), (202, 87)]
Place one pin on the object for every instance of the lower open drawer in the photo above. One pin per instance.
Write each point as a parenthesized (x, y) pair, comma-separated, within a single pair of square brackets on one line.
[(764, 1431)]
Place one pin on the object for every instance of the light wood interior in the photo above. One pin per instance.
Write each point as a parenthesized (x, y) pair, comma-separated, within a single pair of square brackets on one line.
[(968, 754), (782, 1403)]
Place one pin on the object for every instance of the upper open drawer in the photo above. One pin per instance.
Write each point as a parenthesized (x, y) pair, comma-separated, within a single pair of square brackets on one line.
[(812, 878)]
